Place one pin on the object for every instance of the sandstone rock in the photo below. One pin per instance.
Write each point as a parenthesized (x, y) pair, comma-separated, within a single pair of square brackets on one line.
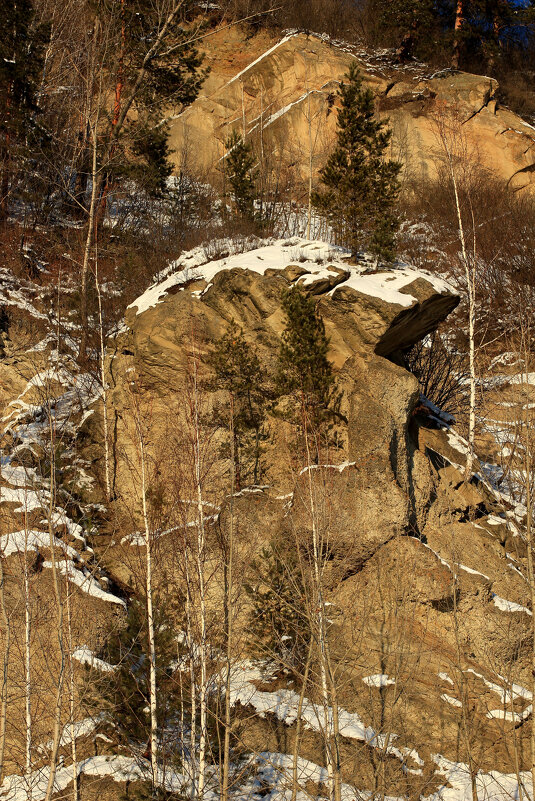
[(278, 84), (412, 566)]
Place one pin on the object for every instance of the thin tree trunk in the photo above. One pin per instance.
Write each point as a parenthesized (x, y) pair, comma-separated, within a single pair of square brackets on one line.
[(465, 711), (298, 723), (200, 559), (150, 614), (103, 381), (229, 579), (108, 151), (27, 664), (95, 189), (193, 688), (310, 164), (331, 745), (119, 86), (72, 693), (59, 620), (531, 569), (4, 696), (470, 284)]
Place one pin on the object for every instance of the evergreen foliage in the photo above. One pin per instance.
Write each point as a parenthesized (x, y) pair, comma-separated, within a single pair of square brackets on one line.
[(21, 59), (410, 26), (238, 371), (361, 185), (242, 175), (279, 629), (303, 364), (174, 77), (124, 693)]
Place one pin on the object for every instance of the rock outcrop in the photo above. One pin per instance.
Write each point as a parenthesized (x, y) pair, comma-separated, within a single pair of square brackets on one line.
[(424, 570), (272, 88)]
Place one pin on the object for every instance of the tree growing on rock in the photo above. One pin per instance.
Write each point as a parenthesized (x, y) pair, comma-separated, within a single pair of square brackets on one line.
[(361, 184), (238, 371), (242, 175), (304, 369), (279, 626)]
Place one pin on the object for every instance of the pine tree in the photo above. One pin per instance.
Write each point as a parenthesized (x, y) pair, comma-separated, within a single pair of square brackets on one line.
[(361, 185), (304, 368), (21, 59), (238, 370), (124, 693), (242, 175), (407, 25), (278, 629)]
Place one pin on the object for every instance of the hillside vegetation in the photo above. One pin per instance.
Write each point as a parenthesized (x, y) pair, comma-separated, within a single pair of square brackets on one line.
[(266, 391)]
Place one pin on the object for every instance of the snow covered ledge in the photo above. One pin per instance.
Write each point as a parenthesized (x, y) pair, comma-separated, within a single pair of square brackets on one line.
[(392, 308)]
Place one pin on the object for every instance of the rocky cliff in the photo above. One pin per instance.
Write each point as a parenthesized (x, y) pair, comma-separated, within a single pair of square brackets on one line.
[(277, 91), (425, 572)]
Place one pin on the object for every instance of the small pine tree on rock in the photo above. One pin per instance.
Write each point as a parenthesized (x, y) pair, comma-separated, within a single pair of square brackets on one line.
[(304, 368), (279, 629), (123, 694), (361, 185), (238, 370), (242, 175)]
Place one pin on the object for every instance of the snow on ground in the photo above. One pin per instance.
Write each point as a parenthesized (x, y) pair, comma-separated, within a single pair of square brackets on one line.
[(378, 680), (276, 771), (81, 728), (339, 467), (493, 786), (59, 517), (449, 699), (509, 606), (447, 564), (270, 778), (284, 704), (27, 500), (522, 378), (120, 768), (85, 581), (85, 656), (512, 717), (511, 690), (257, 61), (311, 255), (21, 541), (17, 475)]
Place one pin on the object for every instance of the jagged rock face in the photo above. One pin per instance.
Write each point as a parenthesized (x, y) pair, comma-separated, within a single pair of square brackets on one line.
[(422, 573), (274, 88)]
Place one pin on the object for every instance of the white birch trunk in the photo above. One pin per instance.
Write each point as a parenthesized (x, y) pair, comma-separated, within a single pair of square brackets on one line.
[(72, 693), (310, 164), (229, 579), (470, 285), (27, 667), (320, 624), (200, 559), (193, 684), (57, 730), (4, 695), (104, 383), (528, 468), (150, 615)]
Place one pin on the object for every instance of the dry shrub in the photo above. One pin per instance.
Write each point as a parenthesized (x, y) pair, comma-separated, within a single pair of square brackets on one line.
[(441, 372)]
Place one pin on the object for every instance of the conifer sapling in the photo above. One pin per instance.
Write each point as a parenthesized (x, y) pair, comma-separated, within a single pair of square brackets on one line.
[(361, 185)]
